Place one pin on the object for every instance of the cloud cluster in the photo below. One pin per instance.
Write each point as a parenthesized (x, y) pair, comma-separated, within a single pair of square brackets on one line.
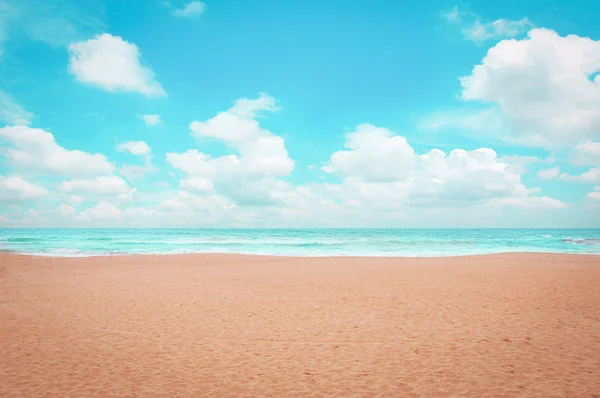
[(249, 176)]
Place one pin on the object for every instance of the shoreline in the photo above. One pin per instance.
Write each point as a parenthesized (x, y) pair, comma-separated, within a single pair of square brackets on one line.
[(280, 256)]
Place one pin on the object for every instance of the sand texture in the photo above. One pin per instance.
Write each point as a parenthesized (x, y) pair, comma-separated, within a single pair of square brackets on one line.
[(243, 326)]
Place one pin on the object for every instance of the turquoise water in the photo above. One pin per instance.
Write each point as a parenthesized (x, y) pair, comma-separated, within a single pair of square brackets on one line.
[(299, 242)]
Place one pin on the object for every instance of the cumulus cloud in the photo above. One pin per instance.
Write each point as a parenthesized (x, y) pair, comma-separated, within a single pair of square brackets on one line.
[(151, 120), (190, 10), (137, 148), (112, 185), (549, 174), (546, 86), (197, 184), (375, 154), (594, 195), (13, 113), (111, 63), (262, 154), (103, 211), (474, 29), (430, 179), (592, 176), (14, 189), (36, 150)]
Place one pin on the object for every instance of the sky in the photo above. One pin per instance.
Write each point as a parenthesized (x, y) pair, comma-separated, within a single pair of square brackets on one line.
[(131, 113)]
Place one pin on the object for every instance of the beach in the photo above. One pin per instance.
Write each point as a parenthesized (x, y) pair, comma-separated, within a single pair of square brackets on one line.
[(518, 324)]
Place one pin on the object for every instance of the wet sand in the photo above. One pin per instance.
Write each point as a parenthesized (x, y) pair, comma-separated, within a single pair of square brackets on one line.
[(237, 326)]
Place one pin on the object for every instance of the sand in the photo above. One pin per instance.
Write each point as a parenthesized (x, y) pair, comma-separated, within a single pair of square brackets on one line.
[(244, 326)]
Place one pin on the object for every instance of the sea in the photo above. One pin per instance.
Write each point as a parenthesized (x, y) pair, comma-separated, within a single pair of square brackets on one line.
[(298, 242)]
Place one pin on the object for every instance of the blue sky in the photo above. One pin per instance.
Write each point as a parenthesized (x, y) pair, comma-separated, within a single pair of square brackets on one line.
[(270, 113)]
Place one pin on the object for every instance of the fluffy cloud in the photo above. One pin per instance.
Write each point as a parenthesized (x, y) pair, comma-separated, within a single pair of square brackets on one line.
[(595, 195), (586, 154), (103, 211), (134, 147), (262, 155), (190, 10), (14, 189), (151, 120), (375, 154), (138, 148), (549, 174), (112, 185), (592, 176), (13, 113), (36, 150), (544, 85), (197, 184), (474, 29), (430, 179), (113, 64)]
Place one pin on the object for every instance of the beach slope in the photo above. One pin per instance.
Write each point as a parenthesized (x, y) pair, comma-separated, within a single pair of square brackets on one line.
[(229, 325)]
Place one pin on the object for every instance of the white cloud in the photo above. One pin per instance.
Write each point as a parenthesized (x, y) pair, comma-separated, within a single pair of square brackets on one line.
[(431, 179), (586, 154), (151, 120), (595, 195), (543, 86), (592, 176), (113, 64), (112, 185), (134, 147), (374, 154), (197, 184), (190, 10), (529, 202), (13, 113), (474, 29), (549, 174), (75, 200), (103, 211), (14, 189), (36, 150), (520, 163), (262, 155)]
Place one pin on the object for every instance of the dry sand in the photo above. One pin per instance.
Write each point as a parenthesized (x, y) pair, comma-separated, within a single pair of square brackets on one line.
[(225, 325)]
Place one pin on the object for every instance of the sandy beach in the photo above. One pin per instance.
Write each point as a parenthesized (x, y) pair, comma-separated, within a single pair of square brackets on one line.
[(249, 326)]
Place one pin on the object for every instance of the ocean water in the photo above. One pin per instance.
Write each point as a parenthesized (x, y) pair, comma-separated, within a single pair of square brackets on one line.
[(298, 242)]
